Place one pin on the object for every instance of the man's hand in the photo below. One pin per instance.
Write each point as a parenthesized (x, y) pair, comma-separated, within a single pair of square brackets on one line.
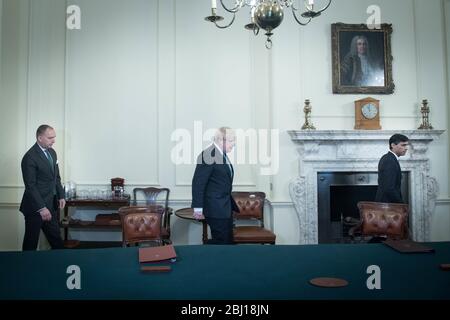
[(62, 203), (198, 214), (45, 214)]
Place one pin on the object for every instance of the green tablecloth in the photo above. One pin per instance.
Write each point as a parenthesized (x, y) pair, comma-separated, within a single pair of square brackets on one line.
[(228, 272)]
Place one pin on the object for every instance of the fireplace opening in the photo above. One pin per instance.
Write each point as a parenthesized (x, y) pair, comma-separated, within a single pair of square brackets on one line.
[(338, 195), (344, 212)]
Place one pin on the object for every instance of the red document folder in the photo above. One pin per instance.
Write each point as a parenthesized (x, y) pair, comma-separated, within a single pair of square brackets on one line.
[(157, 254)]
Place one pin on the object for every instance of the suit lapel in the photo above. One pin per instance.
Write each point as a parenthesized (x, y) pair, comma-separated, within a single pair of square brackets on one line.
[(396, 161), (222, 163), (43, 158), (399, 169)]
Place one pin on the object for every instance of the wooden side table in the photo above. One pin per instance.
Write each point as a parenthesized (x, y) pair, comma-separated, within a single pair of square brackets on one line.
[(188, 213)]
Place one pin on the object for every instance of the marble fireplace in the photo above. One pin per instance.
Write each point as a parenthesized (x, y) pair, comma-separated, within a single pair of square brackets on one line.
[(359, 151)]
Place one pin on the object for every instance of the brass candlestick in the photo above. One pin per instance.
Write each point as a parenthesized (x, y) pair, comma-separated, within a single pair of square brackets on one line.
[(307, 110), (425, 110)]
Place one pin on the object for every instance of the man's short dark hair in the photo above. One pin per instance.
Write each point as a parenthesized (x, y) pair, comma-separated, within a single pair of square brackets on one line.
[(42, 128), (396, 139)]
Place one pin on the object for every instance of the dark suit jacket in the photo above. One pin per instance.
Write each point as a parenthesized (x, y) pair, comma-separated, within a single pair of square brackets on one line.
[(389, 180), (212, 184), (40, 181)]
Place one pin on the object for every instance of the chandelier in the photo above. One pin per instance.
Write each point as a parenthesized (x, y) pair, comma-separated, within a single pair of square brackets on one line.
[(266, 14)]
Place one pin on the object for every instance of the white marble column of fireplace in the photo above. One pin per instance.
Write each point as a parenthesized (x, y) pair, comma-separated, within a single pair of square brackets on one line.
[(360, 151)]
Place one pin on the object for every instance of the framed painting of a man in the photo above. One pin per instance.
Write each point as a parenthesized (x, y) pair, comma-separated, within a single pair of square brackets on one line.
[(362, 59)]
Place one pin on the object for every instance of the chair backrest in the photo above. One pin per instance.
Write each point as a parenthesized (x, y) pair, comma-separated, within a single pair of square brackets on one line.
[(151, 196), (250, 204), (141, 224), (384, 219)]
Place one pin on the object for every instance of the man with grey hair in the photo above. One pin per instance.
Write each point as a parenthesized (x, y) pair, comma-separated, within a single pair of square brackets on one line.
[(359, 68), (212, 185), (44, 194)]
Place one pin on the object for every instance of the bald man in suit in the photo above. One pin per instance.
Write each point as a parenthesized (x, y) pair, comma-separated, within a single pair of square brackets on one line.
[(44, 194)]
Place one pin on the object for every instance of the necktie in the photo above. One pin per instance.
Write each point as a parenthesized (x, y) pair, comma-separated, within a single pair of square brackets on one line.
[(227, 161), (52, 167), (50, 159)]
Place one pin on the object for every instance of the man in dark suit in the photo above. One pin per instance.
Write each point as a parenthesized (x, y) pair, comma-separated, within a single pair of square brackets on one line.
[(44, 194), (389, 172), (211, 187)]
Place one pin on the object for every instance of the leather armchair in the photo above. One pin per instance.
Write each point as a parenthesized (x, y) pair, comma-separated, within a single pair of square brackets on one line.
[(251, 206), (382, 220), (152, 196), (141, 224)]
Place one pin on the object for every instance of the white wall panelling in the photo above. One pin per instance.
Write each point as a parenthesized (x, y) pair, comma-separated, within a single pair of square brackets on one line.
[(1, 18), (221, 79), (10, 238), (447, 60), (112, 93), (14, 38), (13, 97)]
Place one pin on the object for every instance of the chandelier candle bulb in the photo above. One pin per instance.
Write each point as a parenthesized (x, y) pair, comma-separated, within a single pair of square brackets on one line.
[(213, 4)]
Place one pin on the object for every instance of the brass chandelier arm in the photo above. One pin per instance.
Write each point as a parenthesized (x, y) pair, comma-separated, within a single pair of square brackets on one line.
[(298, 21), (293, 8), (226, 26), (266, 14), (321, 10), (325, 8), (235, 9), (292, 5)]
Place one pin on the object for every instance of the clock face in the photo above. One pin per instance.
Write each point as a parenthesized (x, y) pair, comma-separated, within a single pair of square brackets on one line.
[(369, 111)]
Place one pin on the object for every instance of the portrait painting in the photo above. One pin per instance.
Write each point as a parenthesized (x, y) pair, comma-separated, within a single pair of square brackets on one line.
[(362, 59)]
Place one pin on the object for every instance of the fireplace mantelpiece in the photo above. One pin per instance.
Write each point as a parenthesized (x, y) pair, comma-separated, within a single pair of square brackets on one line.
[(360, 151)]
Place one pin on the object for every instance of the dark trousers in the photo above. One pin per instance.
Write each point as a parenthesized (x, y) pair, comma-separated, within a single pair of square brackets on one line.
[(33, 226), (221, 230)]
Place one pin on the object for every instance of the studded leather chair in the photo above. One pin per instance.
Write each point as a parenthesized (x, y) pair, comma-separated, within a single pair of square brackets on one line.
[(153, 196), (141, 224), (251, 206), (382, 220)]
